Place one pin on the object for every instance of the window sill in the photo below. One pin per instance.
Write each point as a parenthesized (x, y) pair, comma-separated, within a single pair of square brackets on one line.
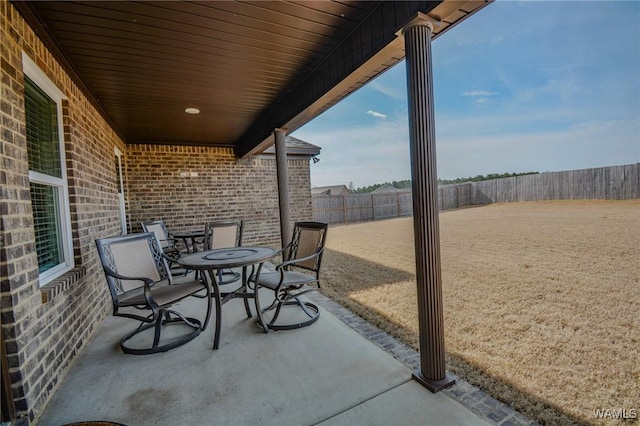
[(58, 286)]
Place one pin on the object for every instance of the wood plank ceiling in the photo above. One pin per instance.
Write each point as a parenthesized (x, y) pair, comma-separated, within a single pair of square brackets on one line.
[(249, 67)]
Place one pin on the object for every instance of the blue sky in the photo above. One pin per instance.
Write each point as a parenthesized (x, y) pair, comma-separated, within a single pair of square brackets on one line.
[(519, 86)]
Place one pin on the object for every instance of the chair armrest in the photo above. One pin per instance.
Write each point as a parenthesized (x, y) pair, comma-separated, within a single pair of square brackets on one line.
[(300, 259), (169, 258), (178, 244), (148, 283), (172, 239), (283, 249), (114, 274), (280, 253)]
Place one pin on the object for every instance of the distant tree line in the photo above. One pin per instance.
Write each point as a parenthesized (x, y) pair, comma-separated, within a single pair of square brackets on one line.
[(404, 184), (479, 178)]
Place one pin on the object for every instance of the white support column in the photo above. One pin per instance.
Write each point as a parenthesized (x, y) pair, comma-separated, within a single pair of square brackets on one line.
[(283, 185), (417, 39)]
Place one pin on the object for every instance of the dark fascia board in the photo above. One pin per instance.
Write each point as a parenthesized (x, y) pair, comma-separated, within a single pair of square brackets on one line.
[(377, 31), (323, 89)]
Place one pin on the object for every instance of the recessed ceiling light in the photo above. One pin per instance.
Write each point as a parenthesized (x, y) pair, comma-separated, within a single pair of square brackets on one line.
[(192, 110)]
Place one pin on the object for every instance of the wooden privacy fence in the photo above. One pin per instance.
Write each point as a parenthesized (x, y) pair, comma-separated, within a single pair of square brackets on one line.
[(604, 183), (361, 207)]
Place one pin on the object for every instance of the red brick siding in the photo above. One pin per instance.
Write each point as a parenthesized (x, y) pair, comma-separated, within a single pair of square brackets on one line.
[(45, 328), (160, 185)]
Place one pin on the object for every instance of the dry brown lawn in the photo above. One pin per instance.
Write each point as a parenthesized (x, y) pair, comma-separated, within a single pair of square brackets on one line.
[(541, 299)]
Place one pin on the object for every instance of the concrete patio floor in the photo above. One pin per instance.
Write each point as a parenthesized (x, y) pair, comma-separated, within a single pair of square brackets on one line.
[(325, 374)]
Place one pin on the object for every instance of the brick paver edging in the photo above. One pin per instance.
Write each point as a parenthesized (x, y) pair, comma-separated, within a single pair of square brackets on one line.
[(478, 401)]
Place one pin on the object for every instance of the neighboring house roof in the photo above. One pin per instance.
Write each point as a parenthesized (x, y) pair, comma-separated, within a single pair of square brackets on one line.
[(296, 146), (385, 188), (330, 190)]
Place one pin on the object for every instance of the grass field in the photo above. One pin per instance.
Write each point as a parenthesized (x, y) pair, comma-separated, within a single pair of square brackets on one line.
[(541, 299)]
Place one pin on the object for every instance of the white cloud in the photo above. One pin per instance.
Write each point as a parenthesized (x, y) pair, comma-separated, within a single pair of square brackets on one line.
[(377, 114), (482, 93), (392, 91)]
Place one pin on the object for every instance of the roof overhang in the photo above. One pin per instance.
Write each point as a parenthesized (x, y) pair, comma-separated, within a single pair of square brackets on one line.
[(250, 67)]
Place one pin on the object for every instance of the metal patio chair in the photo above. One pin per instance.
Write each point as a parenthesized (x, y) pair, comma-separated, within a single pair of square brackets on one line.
[(166, 240), (288, 282), (223, 234), (168, 243), (142, 288)]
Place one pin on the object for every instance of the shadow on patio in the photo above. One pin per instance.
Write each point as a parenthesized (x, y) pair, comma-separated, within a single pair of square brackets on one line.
[(323, 374)]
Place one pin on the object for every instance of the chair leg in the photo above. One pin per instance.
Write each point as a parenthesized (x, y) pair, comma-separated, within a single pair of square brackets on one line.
[(164, 319), (261, 322), (305, 308), (310, 309), (276, 315), (158, 329), (246, 289), (215, 294), (206, 296), (208, 317)]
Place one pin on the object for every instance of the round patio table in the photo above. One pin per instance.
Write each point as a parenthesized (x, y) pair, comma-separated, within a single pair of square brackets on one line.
[(190, 237), (228, 258)]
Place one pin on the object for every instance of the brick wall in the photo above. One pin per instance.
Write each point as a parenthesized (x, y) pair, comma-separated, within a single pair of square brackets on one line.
[(44, 328), (161, 183)]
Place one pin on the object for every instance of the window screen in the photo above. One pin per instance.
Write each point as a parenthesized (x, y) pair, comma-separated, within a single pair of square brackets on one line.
[(43, 143), (43, 147), (44, 201)]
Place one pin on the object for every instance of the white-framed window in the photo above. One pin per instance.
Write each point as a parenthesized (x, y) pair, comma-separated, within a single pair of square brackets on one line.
[(47, 173)]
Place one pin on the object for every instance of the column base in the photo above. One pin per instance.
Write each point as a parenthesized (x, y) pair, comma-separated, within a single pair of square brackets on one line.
[(433, 385)]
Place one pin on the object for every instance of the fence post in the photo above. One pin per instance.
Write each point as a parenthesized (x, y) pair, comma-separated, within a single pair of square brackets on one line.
[(344, 208), (373, 207)]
